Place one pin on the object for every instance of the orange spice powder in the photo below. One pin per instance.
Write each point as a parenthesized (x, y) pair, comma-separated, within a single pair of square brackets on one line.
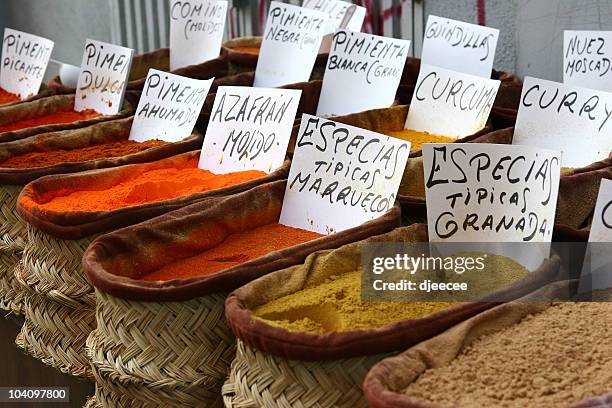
[(236, 249), (53, 157), (417, 139), (7, 97), (246, 50), (50, 119), (147, 187)]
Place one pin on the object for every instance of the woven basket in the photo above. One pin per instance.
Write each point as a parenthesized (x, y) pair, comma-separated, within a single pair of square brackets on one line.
[(12, 240), (258, 379), (55, 333), (60, 307), (92, 402), (151, 354)]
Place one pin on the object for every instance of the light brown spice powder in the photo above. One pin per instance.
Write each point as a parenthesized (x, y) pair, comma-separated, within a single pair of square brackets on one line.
[(553, 359)]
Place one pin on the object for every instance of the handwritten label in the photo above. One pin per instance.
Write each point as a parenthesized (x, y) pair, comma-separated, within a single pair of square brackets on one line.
[(336, 10), (587, 59), (363, 72), (249, 129), (196, 31), (568, 118), (104, 72), (169, 107), (341, 176), (290, 45), (601, 227), (450, 103), (459, 46), (24, 61), (596, 273), (490, 193)]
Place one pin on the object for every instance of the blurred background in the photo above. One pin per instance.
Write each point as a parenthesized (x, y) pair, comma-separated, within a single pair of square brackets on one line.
[(530, 39)]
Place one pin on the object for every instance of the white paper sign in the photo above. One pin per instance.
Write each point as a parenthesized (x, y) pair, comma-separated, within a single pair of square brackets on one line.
[(336, 10), (479, 192), (290, 45), (249, 129), (587, 59), (24, 62), (597, 273), (196, 31), (450, 103), (103, 79), (459, 46), (568, 118), (169, 107), (341, 176), (363, 72)]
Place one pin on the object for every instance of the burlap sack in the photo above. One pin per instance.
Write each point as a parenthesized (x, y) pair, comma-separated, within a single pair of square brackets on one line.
[(505, 107), (325, 369), (13, 230), (185, 355), (244, 62), (158, 59), (386, 380), (44, 106)]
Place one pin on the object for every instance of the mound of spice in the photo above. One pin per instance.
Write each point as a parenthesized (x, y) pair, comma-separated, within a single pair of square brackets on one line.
[(53, 157), (236, 249), (417, 139), (335, 305), (246, 50), (55, 118), (558, 357), (149, 186), (7, 97)]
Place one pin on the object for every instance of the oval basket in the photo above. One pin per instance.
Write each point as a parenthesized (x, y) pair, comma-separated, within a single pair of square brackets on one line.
[(275, 367), (157, 342), (52, 266)]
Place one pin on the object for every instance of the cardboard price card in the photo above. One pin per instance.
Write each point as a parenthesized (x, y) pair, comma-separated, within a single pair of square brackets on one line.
[(479, 192), (568, 118), (459, 46), (587, 59), (341, 176), (249, 129), (290, 45), (24, 62), (363, 72), (337, 11), (169, 107), (196, 31), (449, 103), (103, 79)]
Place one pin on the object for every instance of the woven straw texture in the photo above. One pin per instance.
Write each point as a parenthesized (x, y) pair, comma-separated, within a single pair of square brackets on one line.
[(92, 403), (55, 333), (258, 379), (13, 236), (151, 354)]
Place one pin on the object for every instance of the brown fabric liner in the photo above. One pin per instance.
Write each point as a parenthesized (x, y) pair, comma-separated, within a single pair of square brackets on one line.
[(386, 379), (249, 61), (46, 105), (103, 132), (77, 225), (113, 261), (340, 345), (506, 103)]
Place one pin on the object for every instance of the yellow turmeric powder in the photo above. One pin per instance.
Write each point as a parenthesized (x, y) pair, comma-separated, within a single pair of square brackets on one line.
[(335, 304), (417, 139)]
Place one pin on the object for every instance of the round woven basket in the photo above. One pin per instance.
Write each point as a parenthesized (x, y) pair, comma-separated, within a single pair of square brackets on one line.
[(258, 379), (60, 308), (13, 236), (152, 354), (55, 333)]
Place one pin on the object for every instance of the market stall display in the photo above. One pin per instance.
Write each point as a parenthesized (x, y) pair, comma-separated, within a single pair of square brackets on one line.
[(187, 353)]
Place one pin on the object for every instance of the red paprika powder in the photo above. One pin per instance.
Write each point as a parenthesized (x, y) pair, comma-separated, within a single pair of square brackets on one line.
[(149, 186), (50, 119), (236, 249), (7, 97), (53, 157)]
